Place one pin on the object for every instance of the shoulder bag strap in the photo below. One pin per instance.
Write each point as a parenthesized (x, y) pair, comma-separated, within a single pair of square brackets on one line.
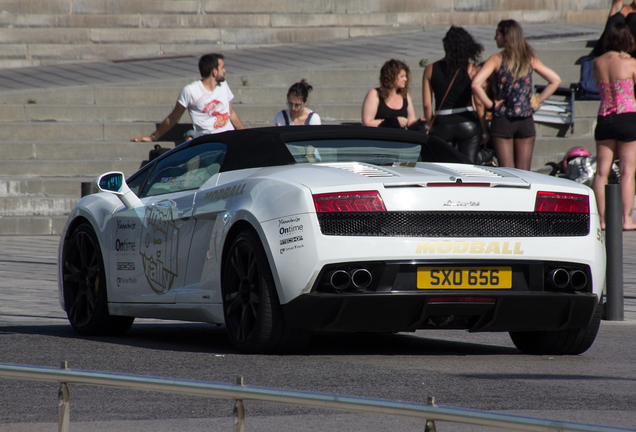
[(285, 117), (443, 99), (311, 114)]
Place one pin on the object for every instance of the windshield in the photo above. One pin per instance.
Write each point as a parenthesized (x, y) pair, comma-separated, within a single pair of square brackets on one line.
[(355, 150)]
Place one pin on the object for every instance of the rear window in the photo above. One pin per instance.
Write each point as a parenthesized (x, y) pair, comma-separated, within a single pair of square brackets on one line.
[(357, 150)]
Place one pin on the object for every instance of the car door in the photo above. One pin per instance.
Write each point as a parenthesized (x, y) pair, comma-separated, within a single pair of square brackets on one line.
[(151, 243)]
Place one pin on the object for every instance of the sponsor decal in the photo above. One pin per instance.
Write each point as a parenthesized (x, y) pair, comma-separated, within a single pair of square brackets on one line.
[(125, 266), (224, 193), (287, 221), (451, 203), (125, 245), (121, 280), (291, 248), (290, 226), (291, 240), (469, 247), (125, 225), (160, 248), (293, 229)]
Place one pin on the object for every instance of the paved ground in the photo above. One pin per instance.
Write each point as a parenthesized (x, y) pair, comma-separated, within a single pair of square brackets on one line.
[(284, 57)]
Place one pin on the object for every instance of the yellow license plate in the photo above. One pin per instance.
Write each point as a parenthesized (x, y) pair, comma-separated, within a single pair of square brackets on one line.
[(433, 277)]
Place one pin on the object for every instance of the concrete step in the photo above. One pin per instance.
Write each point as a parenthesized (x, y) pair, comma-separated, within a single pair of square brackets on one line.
[(214, 20), (20, 186), (583, 127), (69, 150), (115, 44), (534, 11), (76, 168), (147, 104), (32, 225), (553, 149), (85, 113), (250, 115), (118, 7), (37, 206), (122, 7)]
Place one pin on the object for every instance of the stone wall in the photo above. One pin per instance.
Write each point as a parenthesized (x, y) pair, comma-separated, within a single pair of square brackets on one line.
[(315, 12), (40, 32)]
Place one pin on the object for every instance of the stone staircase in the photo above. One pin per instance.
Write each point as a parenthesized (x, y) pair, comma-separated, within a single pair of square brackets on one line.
[(41, 32), (53, 140)]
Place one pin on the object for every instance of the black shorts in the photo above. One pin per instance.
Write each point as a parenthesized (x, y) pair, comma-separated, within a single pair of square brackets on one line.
[(620, 127), (512, 127)]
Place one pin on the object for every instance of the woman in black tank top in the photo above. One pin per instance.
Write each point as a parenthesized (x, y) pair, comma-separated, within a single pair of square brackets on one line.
[(456, 120), (390, 105), (619, 13)]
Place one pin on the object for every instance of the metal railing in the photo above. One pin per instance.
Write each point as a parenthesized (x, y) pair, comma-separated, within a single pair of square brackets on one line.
[(429, 413)]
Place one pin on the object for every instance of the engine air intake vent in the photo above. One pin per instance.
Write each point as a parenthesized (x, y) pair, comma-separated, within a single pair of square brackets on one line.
[(455, 224)]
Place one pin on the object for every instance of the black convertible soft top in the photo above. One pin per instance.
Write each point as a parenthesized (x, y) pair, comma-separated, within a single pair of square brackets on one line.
[(265, 146)]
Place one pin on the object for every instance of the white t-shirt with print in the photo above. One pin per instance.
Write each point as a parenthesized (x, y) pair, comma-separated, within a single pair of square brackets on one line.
[(209, 111), (280, 119)]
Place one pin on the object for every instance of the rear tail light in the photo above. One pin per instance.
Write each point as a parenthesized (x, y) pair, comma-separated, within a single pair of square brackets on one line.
[(556, 202), (344, 202)]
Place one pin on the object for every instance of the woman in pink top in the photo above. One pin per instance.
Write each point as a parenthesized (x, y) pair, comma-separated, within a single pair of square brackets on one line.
[(615, 133)]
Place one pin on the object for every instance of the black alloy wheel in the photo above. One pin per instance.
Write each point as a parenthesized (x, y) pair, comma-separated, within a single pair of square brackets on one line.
[(84, 282), (253, 315)]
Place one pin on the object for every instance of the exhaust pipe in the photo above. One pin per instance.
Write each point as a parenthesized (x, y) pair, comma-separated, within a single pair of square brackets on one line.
[(361, 278), (559, 278), (340, 280), (578, 280)]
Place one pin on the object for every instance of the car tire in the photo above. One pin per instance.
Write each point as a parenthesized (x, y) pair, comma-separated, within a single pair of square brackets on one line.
[(84, 284), (252, 311), (560, 342)]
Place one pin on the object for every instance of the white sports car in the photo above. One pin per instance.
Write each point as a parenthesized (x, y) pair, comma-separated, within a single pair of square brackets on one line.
[(278, 232)]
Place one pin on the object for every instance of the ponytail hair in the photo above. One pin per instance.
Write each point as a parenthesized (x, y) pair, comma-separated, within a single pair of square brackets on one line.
[(300, 89)]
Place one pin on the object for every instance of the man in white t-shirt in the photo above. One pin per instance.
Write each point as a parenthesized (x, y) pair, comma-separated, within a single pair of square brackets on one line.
[(208, 101)]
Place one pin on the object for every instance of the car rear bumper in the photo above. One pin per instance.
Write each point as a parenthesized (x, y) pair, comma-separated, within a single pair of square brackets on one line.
[(476, 311)]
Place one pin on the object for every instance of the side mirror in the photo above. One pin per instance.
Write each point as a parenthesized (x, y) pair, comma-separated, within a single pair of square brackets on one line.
[(114, 182)]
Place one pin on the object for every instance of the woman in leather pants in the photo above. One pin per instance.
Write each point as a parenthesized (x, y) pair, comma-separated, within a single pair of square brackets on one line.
[(457, 121)]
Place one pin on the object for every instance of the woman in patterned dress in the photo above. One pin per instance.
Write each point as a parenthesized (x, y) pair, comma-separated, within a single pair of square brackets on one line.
[(512, 129)]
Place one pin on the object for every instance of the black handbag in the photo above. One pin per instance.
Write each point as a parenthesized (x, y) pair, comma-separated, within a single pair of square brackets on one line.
[(155, 153)]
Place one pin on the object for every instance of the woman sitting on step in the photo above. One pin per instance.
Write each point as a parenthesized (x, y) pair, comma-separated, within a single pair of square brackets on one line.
[(390, 105), (296, 112)]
